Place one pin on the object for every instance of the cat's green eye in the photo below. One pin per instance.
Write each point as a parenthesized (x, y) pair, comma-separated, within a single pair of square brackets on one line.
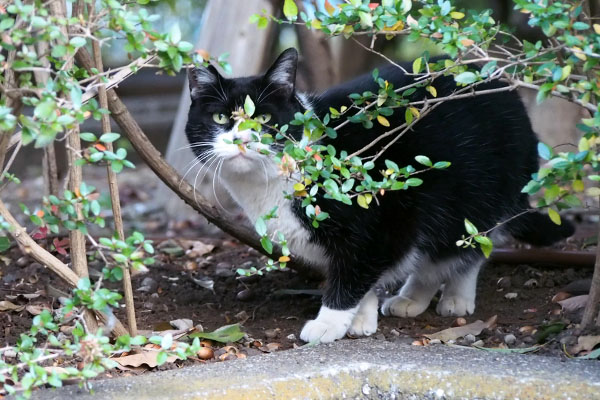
[(220, 119), (264, 118)]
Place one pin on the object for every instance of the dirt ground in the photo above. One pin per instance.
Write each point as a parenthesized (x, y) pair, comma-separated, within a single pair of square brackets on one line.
[(272, 309)]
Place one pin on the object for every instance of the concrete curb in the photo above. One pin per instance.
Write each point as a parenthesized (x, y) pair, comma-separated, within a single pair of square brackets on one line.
[(366, 368)]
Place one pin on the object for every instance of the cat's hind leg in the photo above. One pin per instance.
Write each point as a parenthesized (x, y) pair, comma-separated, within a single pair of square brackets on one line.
[(458, 295), (365, 320), (412, 299)]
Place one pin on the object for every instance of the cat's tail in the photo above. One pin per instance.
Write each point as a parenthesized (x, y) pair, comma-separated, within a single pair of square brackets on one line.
[(537, 229)]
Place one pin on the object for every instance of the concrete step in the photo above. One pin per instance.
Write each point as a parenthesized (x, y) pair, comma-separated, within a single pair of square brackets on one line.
[(366, 368)]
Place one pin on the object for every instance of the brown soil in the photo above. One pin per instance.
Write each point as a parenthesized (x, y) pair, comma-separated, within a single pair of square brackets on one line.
[(273, 308)]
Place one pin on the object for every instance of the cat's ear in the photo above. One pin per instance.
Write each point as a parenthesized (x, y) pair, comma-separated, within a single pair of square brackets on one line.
[(283, 70), (202, 77)]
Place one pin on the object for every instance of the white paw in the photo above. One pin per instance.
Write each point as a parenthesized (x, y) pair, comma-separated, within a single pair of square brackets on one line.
[(316, 330), (329, 325), (364, 324), (455, 306), (401, 306)]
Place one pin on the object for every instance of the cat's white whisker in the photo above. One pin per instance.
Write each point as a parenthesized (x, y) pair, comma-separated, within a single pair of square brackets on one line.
[(216, 176)]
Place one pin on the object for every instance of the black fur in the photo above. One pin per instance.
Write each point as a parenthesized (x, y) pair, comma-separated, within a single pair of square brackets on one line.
[(488, 139)]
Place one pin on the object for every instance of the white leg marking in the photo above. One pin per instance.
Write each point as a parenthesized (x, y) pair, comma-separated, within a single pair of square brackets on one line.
[(411, 300), (329, 325), (365, 320), (458, 296)]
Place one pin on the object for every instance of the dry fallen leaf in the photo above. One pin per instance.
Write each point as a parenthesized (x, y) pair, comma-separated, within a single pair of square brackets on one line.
[(182, 324), (6, 305), (196, 248), (36, 309), (147, 357), (574, 303), (560, 296), (473, 328), (585, 343)]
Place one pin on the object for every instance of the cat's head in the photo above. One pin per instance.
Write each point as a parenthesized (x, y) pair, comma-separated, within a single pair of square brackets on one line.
[(212, 126)]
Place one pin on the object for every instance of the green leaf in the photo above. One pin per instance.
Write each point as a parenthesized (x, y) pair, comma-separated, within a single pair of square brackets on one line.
[(4, 243), (417, 65), (88, 137), (6, 24), (362, 201), (424, 160), (109, 137), (441, 164), (544, 151), (175, 34), (45, 109), (167, 341), (554, 216), (267, 244), (225, 334), (260, 226), (161, 357), (348, 185), (580, 26), (471, 229), (408, 116), (465, 78), (414, 182), (77, 41), (486, 245), (290, 9), (249, 106)]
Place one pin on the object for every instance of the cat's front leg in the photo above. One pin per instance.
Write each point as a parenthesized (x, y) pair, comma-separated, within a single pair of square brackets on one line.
[(329, 325), (340, 307)]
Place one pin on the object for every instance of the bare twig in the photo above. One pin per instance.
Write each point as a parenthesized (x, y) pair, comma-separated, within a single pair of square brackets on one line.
[(49, 167), (114, 190), (76, 237)]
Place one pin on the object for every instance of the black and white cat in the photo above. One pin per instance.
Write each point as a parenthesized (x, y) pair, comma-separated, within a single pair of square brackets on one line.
[(410, 235)]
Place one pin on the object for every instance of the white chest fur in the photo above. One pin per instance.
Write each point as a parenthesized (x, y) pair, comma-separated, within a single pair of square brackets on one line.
[(258, 193)]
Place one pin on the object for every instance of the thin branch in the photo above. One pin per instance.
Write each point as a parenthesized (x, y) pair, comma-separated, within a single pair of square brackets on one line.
[(114, 190), (76, 237)]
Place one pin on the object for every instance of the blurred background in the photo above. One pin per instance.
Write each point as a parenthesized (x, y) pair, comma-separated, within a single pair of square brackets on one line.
[(160, 102)]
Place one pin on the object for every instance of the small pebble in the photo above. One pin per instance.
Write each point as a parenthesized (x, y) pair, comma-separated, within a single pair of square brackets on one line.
[(478, 343), (244, 295), (23, 261), (435, 341), (395, 332), (531, 283), (510, 339), (291, 336), (149, 305), (366, 389), (528, 339), (568, 340), (504, 283), (272, 333), (225, 272), (242, 316), (511, 295), (470, 338)]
